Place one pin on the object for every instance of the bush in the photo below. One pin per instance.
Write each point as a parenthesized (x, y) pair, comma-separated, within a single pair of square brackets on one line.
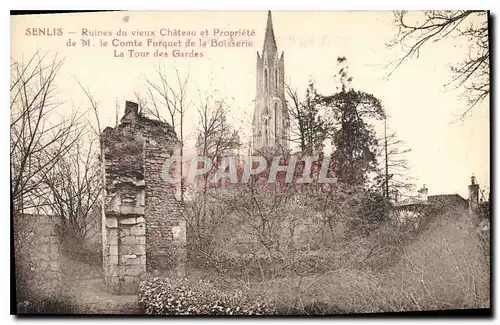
[(162, 296), (238, 266), (249, 266), (373, 207)]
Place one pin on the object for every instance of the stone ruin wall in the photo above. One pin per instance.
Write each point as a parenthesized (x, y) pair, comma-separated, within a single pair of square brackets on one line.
[(166, 230), (124, 230), (141, 218), (37, 257)]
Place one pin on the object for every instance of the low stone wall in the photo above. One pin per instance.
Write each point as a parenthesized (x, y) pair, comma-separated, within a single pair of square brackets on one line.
[(242, 238), (37, 257)]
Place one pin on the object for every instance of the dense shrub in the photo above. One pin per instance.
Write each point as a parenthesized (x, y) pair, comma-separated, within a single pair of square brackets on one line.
[(171, 296), (373, 207), (237, 266), (249, 266), (484, 210)]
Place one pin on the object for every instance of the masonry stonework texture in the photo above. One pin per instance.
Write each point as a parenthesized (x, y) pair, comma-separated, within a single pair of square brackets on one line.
[(142, 226), (37, 256)]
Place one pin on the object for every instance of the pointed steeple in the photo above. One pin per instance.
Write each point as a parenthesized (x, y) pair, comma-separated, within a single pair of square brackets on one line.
[(269, 40), (270, 122)]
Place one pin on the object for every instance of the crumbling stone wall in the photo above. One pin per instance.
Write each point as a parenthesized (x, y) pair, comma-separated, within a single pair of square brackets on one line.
[(165, 226), (37, 257), (141, 217)]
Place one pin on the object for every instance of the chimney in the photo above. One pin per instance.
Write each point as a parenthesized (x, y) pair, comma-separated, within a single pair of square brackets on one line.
[(422, 193), (395, 194), (131, 112), (131, 107), (473, 194)]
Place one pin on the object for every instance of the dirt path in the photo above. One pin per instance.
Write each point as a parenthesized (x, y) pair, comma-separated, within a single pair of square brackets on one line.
[(86, 288), (90, 297)]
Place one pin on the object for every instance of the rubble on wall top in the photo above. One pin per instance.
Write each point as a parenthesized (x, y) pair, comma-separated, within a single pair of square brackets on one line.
[(133, 116)]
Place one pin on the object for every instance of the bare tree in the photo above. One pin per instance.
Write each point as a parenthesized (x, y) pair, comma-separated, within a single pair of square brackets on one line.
[(39, 137), (261, 211), (217, 138), (74, 188), (295, 110), (164, 94), (393, 179), (94, 107), (473, 73), (117, 110), (85, 174), (311, 128)]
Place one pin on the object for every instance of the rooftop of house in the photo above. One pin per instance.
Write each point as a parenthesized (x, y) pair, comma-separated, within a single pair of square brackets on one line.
[(411, 201), (446, 196), (439, 199)]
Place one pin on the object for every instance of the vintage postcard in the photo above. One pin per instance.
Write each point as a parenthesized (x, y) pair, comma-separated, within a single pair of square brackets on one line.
[(250, 162)]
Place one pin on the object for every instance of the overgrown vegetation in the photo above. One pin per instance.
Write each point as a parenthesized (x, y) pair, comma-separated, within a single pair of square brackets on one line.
[(162, 296), (439, 265), (334, 248)]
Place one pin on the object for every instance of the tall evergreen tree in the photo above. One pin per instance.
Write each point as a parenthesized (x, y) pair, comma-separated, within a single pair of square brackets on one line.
[(353, 137)]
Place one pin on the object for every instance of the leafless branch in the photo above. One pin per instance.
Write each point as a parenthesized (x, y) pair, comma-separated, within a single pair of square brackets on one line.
[(472, 74)]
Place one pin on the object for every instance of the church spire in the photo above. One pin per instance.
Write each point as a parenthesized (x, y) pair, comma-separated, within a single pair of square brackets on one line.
[(269, 40), (270, 126)]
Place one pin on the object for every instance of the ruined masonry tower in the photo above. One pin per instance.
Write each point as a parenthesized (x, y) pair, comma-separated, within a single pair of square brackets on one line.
[(142, 228)]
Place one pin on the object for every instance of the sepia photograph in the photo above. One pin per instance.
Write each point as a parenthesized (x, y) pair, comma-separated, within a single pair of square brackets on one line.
[(250, 163)]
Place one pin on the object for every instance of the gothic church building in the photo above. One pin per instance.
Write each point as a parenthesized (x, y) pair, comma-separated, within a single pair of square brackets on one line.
[(271, 123)]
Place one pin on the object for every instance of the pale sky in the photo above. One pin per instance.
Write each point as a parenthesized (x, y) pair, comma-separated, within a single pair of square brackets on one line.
[(445, 152)]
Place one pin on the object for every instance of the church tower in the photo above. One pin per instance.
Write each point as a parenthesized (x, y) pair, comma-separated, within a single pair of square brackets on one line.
[(271, 120)]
